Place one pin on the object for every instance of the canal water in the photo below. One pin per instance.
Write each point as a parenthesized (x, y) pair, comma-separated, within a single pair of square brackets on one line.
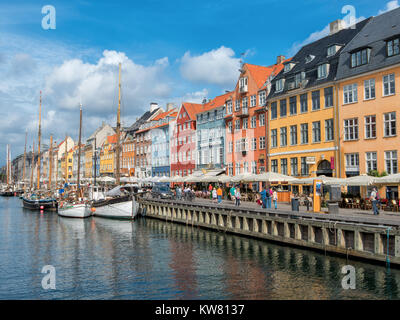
[(98, 258)]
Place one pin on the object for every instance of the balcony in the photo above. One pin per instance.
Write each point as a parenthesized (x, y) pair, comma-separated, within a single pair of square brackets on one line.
[(244, 112), (243, 89)]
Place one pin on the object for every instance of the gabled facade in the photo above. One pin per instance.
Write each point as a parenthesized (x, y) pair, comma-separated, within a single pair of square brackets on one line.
[(246, 119), (303, 126), (210, 128), (368, 94), (183, 142), (128, 156)]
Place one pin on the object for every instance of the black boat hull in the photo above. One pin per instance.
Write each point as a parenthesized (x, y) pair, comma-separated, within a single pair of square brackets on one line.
[(7, 194), (45, 204)]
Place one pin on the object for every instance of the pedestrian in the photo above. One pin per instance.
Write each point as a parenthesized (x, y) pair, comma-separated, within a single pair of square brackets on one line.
[(374, 199), (237, 197), (263, 194), (214, 195), (275, 198), (219, 194), (210, 189), (179, 193), (268, 198), (232, 192)]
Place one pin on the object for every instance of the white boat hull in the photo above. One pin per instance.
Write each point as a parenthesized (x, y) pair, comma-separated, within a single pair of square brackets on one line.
[(75, 211), (121, 210)]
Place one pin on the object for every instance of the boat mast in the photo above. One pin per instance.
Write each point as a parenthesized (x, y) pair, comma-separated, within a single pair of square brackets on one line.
[(7, 164), (39, 135), (23, 169), (66, 156), (118, 127), (33, 162), (79, 151), (51, 161)]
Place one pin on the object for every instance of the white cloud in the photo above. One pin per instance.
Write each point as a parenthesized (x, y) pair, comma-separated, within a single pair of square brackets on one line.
[(311, 38), (218, 67), (391, 5)]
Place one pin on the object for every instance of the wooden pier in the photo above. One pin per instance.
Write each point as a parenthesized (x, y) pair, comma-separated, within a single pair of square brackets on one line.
[(358, 237)]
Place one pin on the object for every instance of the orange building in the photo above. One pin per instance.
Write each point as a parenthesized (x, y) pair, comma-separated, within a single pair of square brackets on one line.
[(246, 119), (128, 156)]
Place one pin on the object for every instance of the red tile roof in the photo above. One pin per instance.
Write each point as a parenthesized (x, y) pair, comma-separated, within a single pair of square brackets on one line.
[(171, 113), (218, 101), (192, 109)]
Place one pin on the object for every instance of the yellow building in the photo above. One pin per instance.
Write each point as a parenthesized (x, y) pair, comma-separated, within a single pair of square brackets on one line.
[(88, 156), (303, 109), (107, 159)]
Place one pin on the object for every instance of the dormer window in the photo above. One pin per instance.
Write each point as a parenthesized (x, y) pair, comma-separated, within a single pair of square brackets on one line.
[(323, 71), (331, 51), (243, 85), (393, 47), (309, 58), (279, 85), (360, 57), (299, 78), (288, 67)]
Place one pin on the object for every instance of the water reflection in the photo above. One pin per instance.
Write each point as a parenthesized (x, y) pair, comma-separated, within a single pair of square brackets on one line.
[(97, 258)]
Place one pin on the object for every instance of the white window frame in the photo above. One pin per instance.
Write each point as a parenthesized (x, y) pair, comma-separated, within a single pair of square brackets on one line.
[(388, 80), (369, 89), (391, 162), (350, 91), (350, 129), (391, 122)]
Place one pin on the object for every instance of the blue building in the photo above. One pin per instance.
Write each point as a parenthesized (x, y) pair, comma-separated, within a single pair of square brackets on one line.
[(210, 127)]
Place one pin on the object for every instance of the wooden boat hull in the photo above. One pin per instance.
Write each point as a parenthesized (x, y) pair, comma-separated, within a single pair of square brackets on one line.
[(43, 204), (80, 210), (118, 208)]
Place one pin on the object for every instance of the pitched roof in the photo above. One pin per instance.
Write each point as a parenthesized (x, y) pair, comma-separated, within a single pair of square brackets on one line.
[(318, 49), (373, 35), (147, 115), (192, 109), (216, 102), (162, 115)]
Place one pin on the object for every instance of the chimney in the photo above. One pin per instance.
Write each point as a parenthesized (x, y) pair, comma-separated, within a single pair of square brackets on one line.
[(280, 59), (170, 106), (153, 106), (336, 26)]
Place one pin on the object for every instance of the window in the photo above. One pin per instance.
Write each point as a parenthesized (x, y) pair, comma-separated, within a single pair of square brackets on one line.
[(262, 97), (274, 166), (329, 131), (284, 166), (389, 120), (293, 105), (262, 120), (304, 166), (293, 135), (352, 162), (254, 167), (244, 103), (304, 133), (253, 143), (351, 129), (262, 143), (253, 100), (237, 105), (237, 125), (309, 58), (303, 103), (371, 161), (237, 168), (230, 147), (370, 127), (274, 138), (388, 85), (350, 93), (243, 84), (323, 71), (360, 57), (391, 162), (331, 50), (279, 85), (328, 92), (229, 127), (244, 123), (274, 110), (316, 131), (283, 137), (369, 89), (393, 47), (293, 167), (253, 122), (315, 100), (283, 108)]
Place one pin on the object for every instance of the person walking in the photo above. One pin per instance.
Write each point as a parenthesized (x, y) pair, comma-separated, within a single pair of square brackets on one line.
[(275, 198), (214, 195), (210, 189), (263, 194), (237, 197), (219, 194), (178, 193), (268, 198), (374, 199), (232, 192)]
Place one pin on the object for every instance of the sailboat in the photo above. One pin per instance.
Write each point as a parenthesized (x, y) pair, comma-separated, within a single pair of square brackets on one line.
[(7, 191), (118, 203), (36, 200), (78, 208)]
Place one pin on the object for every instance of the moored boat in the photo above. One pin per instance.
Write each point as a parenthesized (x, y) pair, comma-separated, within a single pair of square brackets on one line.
[(122, 207), (40, 204), (75, 210)]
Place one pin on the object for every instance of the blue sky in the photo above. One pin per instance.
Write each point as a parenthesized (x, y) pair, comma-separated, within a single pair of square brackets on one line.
[(171, 51)]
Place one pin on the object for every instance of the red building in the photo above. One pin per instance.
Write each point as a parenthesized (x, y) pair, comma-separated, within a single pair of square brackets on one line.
[(183, 142)]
